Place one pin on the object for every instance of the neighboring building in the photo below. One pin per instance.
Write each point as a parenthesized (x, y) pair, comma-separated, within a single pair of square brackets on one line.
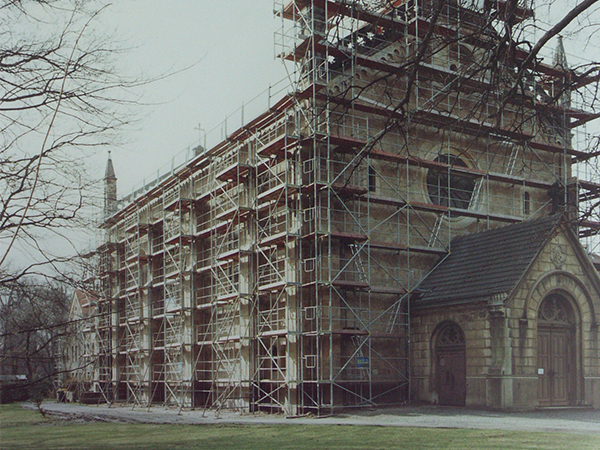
[(80, 346), (346, 248)]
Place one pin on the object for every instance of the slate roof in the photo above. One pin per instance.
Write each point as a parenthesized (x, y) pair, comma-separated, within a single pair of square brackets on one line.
[(483, 264)]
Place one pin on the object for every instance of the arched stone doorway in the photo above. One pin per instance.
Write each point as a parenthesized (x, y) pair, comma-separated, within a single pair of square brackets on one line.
[(557, 368), (450, 365)]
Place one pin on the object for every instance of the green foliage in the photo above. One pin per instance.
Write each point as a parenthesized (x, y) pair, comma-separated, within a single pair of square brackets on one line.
[(21, 429)]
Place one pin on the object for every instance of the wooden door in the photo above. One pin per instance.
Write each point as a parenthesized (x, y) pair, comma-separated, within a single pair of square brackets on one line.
[(452, 385), (557, 370), (554, 371), (450, 366)]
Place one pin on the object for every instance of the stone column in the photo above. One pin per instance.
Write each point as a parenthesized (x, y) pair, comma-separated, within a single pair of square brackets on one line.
[(499, 385)]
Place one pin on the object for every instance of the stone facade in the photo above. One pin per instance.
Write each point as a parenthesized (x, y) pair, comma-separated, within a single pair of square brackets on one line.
[(501, 337)]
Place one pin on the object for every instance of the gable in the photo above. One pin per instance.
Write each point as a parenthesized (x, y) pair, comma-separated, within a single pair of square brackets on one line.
[(83, 304), (561, 264)]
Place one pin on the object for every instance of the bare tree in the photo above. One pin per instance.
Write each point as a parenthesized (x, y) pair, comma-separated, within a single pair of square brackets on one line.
[(59, 97), (33, 322)]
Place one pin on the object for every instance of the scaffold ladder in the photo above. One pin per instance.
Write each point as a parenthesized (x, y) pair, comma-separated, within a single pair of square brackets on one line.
[(359, 263)]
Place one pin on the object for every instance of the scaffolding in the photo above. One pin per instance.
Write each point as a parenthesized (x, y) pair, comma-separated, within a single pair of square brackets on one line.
[(274, 272), (108, 267)]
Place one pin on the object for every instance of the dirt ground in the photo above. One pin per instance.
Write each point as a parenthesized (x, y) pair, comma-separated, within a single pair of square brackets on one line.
[(571, 420)]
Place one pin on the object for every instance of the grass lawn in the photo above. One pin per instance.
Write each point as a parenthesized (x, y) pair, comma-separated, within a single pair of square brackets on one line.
[(24, 429)]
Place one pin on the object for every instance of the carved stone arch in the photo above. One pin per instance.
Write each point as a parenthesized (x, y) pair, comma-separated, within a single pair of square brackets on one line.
[(363, 74), (400, 53), (449, 364), (566, 282)]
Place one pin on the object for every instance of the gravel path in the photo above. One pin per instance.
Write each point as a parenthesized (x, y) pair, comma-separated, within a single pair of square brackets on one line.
[(582, 421)]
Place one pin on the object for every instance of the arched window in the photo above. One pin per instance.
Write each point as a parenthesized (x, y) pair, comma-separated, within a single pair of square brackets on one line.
[(450, 336), (448, 188), (556, 310)]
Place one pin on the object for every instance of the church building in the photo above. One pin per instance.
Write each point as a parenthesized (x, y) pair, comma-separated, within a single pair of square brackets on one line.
[(403, 225)]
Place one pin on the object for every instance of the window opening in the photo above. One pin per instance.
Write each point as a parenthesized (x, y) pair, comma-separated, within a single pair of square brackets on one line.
[(372, 179), (526, 204), (448, 188)]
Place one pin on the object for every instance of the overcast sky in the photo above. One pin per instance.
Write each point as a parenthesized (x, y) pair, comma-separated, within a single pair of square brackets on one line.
[(220, 56), (228, 50)]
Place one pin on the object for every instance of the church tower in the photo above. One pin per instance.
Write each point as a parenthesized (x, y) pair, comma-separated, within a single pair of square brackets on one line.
[(110, 189)]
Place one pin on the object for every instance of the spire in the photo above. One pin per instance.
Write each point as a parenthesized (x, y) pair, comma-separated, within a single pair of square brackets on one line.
[(110, 170), (560, 56), (110, 189), (560, 62)]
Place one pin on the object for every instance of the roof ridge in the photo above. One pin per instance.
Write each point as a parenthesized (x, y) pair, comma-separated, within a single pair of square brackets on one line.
[(525, 223)]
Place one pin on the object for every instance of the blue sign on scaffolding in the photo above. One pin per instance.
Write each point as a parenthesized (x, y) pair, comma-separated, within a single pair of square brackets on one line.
[(362, 361)]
